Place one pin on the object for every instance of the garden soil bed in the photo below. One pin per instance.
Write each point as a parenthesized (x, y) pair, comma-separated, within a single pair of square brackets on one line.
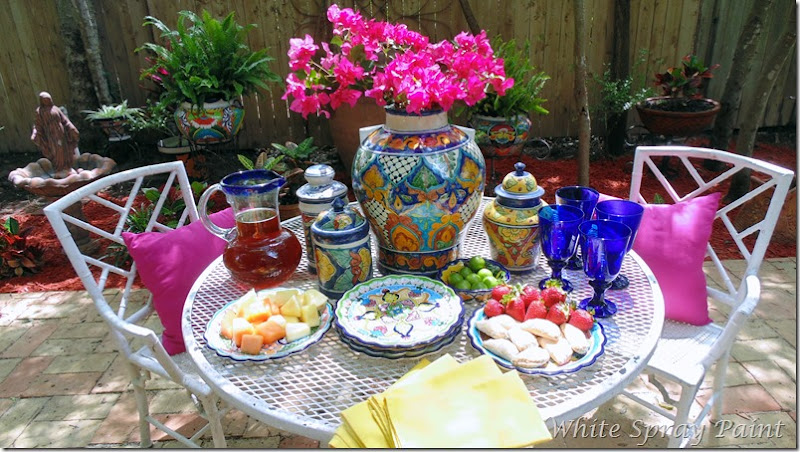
[(608, 175)]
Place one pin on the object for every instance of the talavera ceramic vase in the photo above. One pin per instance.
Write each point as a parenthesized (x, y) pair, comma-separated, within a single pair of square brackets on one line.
[(215, 122), (419, 181)]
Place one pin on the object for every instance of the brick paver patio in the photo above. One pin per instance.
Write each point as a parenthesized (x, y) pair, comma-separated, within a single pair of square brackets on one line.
[(62, 384)]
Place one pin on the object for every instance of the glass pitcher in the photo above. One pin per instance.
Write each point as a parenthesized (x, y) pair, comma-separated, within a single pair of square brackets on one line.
[(260, 252)]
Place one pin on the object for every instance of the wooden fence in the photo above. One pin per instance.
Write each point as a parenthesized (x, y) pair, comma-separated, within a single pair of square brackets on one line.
[(32, 56)]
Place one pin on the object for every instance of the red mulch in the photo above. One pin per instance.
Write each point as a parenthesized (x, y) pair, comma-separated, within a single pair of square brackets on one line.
[(610, 176)]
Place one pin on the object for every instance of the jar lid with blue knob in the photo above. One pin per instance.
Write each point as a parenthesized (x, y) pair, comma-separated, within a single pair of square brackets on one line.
[(316, 197)]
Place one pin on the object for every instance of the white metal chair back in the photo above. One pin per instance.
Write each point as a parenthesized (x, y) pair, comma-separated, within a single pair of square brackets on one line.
[(685, 352), (140, 345)]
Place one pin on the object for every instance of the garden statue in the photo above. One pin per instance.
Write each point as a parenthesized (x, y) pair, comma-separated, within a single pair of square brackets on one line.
[(55, 136)]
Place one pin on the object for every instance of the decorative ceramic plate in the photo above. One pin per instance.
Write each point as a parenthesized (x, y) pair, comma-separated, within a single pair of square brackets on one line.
[(433, 348), (398, 312), (280, 349), (597, 341)]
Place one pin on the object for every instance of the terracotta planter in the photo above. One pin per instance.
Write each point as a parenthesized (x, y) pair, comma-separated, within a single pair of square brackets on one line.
[(676, 123), (216, 122), (345, 123)]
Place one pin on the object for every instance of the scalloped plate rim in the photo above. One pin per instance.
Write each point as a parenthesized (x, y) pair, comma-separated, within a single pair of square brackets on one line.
[(312, 339), (377, 346), (598, 332)]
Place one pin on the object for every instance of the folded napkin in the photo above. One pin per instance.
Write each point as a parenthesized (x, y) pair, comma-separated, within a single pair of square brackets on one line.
[(446, 404)]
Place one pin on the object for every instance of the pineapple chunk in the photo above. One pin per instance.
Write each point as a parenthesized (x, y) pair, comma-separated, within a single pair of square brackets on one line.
[(226, 327), (315, 298), (245, 301), (279, 320), (309, 315), (292, 307), (295, 331), (252, 343), (280, 297), (241, 327), (291, 319)]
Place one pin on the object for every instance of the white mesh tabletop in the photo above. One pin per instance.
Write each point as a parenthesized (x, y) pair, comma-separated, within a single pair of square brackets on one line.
[(305, 392)]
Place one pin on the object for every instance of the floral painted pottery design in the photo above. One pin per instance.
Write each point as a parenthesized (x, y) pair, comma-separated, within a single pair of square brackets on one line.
[(216, 122), (315, 197), (512, 222), (597, 343), (280, 349), (419, 181), (342, 249), (399, 313), (501, 137)]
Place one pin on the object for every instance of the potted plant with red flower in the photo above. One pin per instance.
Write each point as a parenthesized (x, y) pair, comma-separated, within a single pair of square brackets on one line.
[(682, 110)]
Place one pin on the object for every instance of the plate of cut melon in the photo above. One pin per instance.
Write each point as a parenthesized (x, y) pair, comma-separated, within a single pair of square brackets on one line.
[(269, 324)]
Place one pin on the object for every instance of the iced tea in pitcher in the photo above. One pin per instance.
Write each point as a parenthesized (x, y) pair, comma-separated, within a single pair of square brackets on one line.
[(260, 252)]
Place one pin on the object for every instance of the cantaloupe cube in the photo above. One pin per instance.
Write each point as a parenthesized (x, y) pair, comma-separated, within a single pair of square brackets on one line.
[(226, 327), (292, 307), (295, 331), (309, 315), (315, 298), (256, 312), (251, 344), (271, 331), (241, 327), (280, 297)]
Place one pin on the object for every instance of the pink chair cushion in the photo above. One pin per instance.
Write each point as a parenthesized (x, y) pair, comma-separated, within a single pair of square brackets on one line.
[(169, 263), (672, 240)]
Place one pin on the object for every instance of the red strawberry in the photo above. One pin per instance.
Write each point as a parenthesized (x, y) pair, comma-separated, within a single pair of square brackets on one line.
[(553, 295), (558, 313), (498, 292), (493, 308), (516, 309), (536, 310), (529, 294), (581, 319)]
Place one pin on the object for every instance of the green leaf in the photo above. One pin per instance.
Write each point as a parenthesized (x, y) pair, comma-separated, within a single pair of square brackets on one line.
[(246, 162), (151, 194)]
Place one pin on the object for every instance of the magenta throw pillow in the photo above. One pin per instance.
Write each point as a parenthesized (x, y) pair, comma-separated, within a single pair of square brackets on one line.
[(169, 263), (672, 240)]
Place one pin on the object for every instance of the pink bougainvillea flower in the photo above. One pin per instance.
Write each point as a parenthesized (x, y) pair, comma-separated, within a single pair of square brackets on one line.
[(300, 52)]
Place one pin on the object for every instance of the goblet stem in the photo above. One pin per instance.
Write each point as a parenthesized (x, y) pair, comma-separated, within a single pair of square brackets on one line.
[(620, 282), (601, 306), (575, 262), (556, 267)]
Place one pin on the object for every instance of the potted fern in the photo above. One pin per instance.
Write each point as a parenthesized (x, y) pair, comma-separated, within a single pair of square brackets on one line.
[(501, 123), (115, 119), (682, 110), (205, 68)]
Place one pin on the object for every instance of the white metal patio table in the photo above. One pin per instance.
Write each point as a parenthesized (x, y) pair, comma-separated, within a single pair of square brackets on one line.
[(304, 393)]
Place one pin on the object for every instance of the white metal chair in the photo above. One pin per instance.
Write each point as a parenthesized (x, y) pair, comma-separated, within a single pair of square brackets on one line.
[(685, 353), (140, 345)]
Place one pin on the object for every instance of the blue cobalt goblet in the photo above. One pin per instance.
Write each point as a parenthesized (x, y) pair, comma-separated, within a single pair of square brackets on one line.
[(558, 229), (628, 213), (584, 198), (603, 246)]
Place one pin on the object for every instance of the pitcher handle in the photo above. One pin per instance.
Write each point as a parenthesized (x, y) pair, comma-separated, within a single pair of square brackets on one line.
[(202, 212)]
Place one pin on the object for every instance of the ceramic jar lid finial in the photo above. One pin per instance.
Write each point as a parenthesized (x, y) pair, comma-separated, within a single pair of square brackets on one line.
[(520, 167), (338, 205), (321, 188), (519, 183)]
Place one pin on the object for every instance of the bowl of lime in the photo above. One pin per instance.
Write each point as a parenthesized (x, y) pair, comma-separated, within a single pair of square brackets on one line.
[(473, 279)]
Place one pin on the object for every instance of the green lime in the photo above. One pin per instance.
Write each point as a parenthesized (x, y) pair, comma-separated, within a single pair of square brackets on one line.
[(473, 278), (464, 272), (491, 282), (480, 285), (454, 279), (462, 285), (476, 263), (485, 273)]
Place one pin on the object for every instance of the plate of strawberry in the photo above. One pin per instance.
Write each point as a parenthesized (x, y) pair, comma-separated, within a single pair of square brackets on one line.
[(536, 332)]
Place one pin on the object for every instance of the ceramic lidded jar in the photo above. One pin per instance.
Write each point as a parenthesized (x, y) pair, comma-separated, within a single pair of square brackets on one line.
[(512, 221), (315, 197), (341, 248)]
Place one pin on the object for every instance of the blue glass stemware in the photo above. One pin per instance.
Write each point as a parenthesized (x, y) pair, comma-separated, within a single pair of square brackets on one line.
[(584, 198), (628, 213), (604, 244), (558, 229)]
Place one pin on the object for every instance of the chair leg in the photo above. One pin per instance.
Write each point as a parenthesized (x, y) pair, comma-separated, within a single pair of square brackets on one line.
[(720, 372), (682, 416), (139, 392), (214, 421)]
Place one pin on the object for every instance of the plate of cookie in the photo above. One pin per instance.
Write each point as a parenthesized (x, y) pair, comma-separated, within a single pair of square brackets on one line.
[(535, 346)]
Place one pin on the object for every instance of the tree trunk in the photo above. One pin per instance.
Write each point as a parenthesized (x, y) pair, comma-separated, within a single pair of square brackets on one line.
[(746, 49), (584, 121), (620, 68), (776, 59), (472, 22), (91, 43)]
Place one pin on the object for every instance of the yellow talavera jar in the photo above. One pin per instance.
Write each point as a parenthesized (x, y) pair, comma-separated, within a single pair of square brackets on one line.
[(512, 221)]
